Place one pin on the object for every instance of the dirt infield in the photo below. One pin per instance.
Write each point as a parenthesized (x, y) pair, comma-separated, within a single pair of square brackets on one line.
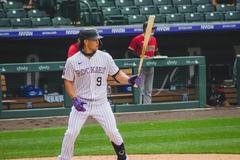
[(16, 124), (157, 157)]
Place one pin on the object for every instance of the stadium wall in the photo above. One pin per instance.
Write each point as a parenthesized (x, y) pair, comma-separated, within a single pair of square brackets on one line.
[(218, 47)]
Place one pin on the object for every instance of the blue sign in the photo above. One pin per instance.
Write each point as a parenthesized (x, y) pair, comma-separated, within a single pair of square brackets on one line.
[(117, 30)]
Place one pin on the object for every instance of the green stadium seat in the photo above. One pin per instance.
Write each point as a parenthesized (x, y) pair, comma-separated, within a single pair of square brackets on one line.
[(160, 18), (130, 10), (20, 22), (198, 2), (124, 3), (214, 16), (71, 9), (113, 16), (2, 13), (238, 7), (232, 16), (162, 2), (46, 4), (181, 2), (95, 19), (16, 13), (194, 17), (12, 5), (111, 11), (117, 20), (92, 3), (5, 22), (105, 3), (61, 21), (36, 13), (167, 9), (143, 2), (187, 9), (175, 18), (225, 8), (136, 19), (205, 8), (39, 22), (148, 10)]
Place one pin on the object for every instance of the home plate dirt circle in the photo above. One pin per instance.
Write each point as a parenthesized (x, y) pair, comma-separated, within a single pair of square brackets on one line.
[(156, 157)]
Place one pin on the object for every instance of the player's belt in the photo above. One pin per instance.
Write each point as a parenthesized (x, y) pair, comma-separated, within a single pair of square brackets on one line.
[(88, 100)]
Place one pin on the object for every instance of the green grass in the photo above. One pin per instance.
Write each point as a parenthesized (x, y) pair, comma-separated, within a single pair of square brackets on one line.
[(220, 135)]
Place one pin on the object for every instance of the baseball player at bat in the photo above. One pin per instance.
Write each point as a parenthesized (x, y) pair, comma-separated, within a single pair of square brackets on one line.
[(147, 73), (85, 78)]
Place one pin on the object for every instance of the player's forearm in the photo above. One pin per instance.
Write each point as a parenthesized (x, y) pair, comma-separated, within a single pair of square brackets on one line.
[(122, 77), (69, 88)]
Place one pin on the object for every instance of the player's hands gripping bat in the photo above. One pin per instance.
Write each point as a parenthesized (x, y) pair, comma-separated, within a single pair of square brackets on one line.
[(135, 80), (78, 104)]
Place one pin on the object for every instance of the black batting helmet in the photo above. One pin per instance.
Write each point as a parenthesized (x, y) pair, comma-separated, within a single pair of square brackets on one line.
[(91, 34)]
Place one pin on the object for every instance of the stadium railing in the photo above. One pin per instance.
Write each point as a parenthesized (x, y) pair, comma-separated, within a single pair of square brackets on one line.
[(198, 61)]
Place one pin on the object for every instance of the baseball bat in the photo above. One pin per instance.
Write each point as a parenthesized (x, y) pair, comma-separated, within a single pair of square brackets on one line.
[(147, 36)]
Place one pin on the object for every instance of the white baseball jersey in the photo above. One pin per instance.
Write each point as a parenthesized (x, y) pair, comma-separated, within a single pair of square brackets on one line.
[(90, 75)]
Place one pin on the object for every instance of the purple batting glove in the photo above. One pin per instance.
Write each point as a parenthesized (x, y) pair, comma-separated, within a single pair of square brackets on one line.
[(135, 79), (78, 104)]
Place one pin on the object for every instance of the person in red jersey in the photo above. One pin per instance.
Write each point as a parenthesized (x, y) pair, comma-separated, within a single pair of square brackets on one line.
[(147, 74), (74, 48)]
